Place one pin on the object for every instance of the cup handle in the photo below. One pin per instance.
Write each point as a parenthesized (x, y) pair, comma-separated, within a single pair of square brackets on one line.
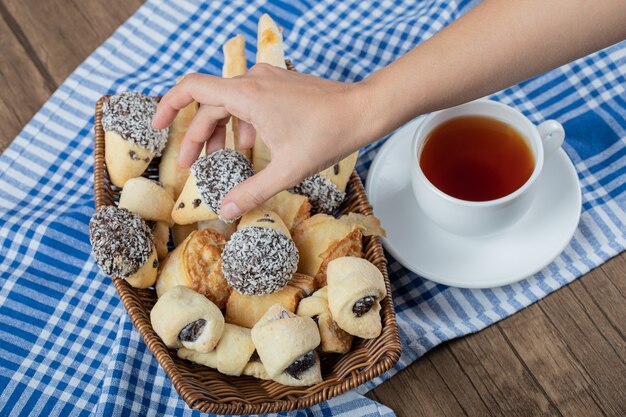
[(552, 135)]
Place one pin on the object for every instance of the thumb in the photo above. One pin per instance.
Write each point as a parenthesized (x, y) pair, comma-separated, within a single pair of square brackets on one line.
[(255, 190)]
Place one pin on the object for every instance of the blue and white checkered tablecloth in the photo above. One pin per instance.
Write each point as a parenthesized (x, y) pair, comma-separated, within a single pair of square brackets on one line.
[(67, 345)]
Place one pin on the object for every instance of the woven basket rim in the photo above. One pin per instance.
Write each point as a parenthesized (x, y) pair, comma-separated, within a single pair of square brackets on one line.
[(290, 400)]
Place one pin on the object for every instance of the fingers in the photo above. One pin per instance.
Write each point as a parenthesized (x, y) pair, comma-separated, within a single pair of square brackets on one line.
[(201, 129), (203, 88), (217, 139), (255, 191), (247, 134)]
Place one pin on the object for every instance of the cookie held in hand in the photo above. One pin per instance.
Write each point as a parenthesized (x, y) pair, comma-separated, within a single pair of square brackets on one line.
[(210, 179)]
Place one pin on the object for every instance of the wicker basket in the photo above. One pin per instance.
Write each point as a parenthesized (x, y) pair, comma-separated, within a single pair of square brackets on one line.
[(209, 391)]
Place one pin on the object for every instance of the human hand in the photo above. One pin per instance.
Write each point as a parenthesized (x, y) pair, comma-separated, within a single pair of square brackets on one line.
[(308, 124)]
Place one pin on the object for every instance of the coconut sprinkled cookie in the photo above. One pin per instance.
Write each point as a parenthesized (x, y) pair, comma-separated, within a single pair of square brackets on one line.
[(123, 246)]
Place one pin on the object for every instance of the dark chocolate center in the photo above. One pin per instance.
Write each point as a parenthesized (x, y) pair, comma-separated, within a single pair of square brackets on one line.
[(190, 332), (363, 305), (301, 364)]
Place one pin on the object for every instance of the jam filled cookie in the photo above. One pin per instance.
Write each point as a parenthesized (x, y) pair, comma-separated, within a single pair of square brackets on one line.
[(327, 190), (260, 257), (333, 338), (196, 263), (184, 318), (123, 246), (230, 356), (355, 288), (286, 346), (211, 178), (130, 140)]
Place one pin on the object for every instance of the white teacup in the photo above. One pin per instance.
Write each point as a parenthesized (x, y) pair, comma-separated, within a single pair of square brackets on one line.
[(482, 218)]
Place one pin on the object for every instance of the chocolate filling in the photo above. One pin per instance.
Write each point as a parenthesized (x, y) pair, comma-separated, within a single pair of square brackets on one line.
[(301, 364), (190, 332), (266, 219), (363, 305)]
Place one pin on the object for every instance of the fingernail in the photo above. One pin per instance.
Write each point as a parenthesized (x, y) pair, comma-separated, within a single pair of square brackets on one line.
[(230, 211)]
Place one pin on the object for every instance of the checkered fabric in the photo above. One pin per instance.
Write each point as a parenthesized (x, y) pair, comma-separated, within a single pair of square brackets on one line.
[(67, 346)]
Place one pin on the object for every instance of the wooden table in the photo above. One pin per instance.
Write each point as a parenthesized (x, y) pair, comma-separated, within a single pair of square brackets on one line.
[(565, 355)]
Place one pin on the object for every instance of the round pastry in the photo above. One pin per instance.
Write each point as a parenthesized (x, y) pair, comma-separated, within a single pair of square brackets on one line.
[(211, 178), (123, 246), (355, 288), (297, 338), (259, 260), (196, 263), (184, 318), (148, 199), (231, 355), (130, 140)]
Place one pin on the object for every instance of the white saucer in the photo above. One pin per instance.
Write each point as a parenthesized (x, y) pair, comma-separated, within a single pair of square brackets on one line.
[(424, 248)]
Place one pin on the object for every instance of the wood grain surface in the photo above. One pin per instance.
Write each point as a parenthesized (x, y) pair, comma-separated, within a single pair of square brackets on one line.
[(563, 356)]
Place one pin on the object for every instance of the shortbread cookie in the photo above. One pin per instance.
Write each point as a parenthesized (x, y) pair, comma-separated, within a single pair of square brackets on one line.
[(123, 246), (184, 318), (148, 199), (262, 258), (286, 344), (211, 178), (246, 310), (355, 288), (269, 51), (234, 66), (130, 140), (196, 263), (230, 356)]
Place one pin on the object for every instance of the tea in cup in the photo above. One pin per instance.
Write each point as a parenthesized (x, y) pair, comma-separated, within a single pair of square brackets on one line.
[(475, 167)]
